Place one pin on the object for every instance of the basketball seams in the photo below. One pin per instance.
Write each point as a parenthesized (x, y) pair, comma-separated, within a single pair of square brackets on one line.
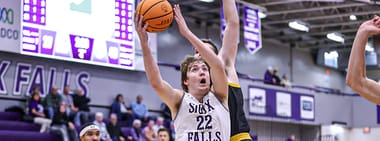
[(152, 10), (147, 10), (157, 17), (141, 6)]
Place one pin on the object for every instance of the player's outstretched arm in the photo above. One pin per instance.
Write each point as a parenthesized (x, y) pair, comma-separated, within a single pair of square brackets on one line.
[(218, 75), (356, 74), (230, 39), (167, 93)]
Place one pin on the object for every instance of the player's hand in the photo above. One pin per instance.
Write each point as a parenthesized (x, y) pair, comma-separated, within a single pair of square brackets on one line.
[(371, 27), (141, 28), (182, 26)]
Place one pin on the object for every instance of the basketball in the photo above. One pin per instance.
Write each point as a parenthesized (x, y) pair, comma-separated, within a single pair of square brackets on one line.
[(158, 14)]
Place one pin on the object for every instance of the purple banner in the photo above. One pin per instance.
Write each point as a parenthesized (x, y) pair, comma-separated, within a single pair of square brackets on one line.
[(81, 47), (252, 29), (280, 104)]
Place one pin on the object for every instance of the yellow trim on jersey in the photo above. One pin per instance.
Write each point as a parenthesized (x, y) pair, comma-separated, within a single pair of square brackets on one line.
[(234, 85), (240, 136)]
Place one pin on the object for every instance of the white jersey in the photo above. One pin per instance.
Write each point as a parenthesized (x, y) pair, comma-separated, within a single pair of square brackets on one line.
[(207, 121)]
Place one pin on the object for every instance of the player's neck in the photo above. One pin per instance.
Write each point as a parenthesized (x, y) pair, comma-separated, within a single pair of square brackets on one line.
[(198, 94)]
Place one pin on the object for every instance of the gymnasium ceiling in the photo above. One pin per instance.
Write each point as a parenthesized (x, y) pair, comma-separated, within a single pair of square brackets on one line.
[(322, 16)]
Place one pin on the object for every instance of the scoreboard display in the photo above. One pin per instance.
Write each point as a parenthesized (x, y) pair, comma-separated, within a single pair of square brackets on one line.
[(88, 31)]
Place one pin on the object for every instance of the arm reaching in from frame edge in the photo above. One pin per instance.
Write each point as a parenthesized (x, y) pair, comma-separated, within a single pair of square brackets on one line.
[(356, 74), (230, 39)]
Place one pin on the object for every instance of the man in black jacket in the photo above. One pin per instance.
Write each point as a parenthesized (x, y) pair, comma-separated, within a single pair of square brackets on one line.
[(114, 129), (81, 101)]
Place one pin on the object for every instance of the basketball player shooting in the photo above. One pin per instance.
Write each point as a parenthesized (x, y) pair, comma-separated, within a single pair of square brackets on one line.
[(356, 74), (239, 125), (198, 112)]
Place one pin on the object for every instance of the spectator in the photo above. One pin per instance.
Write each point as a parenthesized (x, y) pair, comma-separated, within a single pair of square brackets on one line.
[(148, 132), (159, 124), (139, 109), (268, 76), (71, 110), (52, 101), (163, 134), (62, 124), (254, 137), (114, 129), (36, 111), (276, 78), (135, 131), (291, 138), (104, 136), (81, 101), (123, 113), (172, 130), (285, 81)]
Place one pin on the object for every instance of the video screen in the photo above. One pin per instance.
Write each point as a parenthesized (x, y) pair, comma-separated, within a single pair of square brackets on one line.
[(96, 32)]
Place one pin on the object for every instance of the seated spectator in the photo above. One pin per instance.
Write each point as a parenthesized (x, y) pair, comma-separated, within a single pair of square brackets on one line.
[(104, 136), (81, 101), (123, 113), (71, 110), (171, 129), (268, 76), (139, 109), (285, 81), (36, 111), (114, 129), (136, 134), (163, 135), (159, 124), (148, 131), (52, 101), (291, 138), (276, 78), (62, 124)]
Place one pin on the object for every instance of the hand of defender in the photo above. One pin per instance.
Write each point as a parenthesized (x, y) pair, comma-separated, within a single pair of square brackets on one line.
[(182, 26), (371, 27)]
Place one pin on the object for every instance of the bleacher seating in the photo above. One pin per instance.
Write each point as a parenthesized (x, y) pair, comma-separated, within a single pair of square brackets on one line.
[(13, 129)]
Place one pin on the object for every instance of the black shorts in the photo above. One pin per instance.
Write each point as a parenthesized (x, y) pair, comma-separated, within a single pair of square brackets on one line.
[(239, 125)]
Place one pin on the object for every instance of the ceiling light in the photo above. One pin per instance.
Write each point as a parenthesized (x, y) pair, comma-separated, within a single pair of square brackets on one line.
[(299, 25), (262, 15), (209, 1), (353, 18), (335, 36)]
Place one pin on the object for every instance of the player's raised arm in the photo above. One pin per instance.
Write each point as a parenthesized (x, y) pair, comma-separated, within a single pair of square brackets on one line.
[(218, 75), (167, 93), (356, 74), (230, 39)]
